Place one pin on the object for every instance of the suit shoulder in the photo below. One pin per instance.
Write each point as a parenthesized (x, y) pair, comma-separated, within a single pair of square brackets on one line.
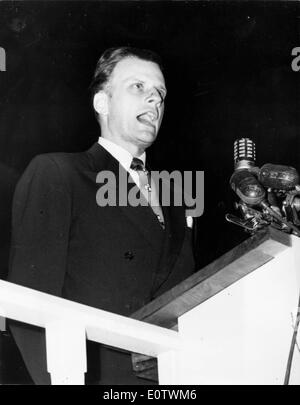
[(56, 170), (60, 159), (62, 162)]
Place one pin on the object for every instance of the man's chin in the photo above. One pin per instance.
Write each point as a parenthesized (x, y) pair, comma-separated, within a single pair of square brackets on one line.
[(147, 136)]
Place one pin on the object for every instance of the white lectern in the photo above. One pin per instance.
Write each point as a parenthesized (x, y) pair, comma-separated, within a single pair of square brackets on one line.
[(236, 317)]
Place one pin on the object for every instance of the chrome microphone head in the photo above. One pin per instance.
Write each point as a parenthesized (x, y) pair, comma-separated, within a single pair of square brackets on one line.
[(244, 153)]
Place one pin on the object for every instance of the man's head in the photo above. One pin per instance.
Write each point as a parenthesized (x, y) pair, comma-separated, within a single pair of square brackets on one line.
[(128, 96)]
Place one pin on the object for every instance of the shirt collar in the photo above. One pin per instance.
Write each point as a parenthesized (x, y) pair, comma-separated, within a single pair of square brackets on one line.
[(119, 153)]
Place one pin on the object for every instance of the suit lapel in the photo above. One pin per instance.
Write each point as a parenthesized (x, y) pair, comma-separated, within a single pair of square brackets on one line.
[(175, 229), (141, 216), (174, 234)]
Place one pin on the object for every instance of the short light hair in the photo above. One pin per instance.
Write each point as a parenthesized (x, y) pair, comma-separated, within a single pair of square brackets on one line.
[(109, 59)]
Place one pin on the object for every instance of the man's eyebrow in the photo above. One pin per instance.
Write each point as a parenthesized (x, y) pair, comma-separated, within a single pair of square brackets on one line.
[(160, 87), (128, 79)]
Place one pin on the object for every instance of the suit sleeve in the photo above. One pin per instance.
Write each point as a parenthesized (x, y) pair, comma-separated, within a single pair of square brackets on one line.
[(41, 217)]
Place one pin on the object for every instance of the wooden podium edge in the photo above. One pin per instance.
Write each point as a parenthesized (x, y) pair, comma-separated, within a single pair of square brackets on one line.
[(166, 309), (213, 278)]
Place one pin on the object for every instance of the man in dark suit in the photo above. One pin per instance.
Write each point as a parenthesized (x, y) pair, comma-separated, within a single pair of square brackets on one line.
[(116, 258)]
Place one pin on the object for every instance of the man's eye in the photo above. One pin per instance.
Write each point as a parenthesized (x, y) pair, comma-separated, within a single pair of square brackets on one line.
[(138, 86), (162, 96)]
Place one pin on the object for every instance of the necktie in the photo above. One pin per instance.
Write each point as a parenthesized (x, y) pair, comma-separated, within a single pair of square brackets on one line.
[(147, 189)]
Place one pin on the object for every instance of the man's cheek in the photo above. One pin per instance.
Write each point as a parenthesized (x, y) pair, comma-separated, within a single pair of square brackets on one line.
[(161, 118)]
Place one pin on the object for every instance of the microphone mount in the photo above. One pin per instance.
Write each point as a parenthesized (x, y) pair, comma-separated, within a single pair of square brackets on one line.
[(269, 196)]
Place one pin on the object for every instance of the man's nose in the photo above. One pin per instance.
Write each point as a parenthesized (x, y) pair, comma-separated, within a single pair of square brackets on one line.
[(154, 96)]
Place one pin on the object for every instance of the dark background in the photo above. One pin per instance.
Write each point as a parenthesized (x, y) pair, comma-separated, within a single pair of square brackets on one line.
[(228, 73)]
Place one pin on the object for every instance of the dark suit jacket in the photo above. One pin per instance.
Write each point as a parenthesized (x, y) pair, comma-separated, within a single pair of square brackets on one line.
[(113, 258)]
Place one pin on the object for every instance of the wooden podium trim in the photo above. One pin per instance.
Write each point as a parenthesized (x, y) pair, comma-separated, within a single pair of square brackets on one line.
[(213, 278)]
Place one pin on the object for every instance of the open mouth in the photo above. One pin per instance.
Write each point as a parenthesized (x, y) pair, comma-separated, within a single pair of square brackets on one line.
[(148, 118)]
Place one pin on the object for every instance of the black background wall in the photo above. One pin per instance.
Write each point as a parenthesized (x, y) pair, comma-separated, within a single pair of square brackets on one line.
[(228, 73)]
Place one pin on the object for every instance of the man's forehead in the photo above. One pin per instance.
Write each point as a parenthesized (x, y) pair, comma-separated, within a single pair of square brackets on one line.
[(132, 67)]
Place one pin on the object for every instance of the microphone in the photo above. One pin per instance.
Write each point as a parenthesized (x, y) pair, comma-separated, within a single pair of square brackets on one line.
[(273, 190), (243, 180), (244, 153), (278, 177)]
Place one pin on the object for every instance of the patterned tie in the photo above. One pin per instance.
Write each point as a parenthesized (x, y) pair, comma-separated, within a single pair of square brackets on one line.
[(147, 189)]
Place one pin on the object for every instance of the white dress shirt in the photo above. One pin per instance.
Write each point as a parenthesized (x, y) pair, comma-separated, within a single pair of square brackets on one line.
[(123, 157)]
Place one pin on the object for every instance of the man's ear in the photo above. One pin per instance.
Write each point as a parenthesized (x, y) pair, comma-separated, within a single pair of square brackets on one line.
[(100, 103)]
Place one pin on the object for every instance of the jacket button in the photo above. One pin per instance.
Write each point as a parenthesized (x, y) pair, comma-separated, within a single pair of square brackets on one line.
[(128, 255)]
